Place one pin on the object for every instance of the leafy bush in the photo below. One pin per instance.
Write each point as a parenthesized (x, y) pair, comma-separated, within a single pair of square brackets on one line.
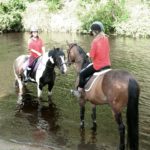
[(108, 14), (10, 15), (54, 5)]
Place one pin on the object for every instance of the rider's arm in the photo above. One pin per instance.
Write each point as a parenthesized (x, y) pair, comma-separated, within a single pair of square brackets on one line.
[(43, 49), (34, 51), (92, 52)]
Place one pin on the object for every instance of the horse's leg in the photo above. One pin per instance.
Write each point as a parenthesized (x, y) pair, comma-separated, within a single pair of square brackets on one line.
[(50, 86), (121, 128), (93, 115), (39, 90), (20, 93), (82, 111)]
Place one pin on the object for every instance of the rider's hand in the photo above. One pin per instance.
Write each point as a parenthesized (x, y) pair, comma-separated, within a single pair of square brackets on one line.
[(88, 54)]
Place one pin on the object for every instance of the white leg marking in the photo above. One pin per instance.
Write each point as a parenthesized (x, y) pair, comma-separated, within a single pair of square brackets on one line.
[(39, 92), (49, 93)]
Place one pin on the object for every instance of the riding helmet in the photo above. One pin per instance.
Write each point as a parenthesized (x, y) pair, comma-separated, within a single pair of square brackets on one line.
[(34, 29), (97, 26)]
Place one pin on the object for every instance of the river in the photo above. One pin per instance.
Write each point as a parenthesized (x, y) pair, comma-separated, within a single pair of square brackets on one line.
[(57, 126)]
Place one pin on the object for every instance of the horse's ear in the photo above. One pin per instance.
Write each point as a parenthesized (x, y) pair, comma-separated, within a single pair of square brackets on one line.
[(57, 49), (51, 59)]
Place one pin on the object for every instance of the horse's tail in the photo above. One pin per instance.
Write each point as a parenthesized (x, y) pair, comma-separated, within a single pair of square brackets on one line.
[(132, 114)]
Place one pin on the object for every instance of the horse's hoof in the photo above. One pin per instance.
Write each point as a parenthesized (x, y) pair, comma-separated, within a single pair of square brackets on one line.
[(19, 107), (94, 128), (121, 147), (35, 103), (82, 125)]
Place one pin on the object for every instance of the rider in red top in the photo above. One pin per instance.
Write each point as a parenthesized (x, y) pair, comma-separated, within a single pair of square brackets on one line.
[(99, 54), (36, 49)]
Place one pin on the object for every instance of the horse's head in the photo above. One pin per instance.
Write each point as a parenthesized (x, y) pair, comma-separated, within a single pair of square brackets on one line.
[(77, 55), (72, 53), (57, 57)]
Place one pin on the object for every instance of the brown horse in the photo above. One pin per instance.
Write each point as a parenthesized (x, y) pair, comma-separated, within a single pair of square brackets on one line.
[(118, 88)]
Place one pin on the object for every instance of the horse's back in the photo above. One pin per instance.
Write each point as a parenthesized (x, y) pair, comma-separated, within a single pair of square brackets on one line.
[(115, 86), (117, 76), (111, 87)]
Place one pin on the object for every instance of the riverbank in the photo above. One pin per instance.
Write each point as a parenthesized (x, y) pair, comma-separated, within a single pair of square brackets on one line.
[(66, 19), (138, 23)]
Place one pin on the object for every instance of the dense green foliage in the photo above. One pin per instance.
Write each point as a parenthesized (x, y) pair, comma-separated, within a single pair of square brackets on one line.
[(108, 13), (54, 5), (10, 15)]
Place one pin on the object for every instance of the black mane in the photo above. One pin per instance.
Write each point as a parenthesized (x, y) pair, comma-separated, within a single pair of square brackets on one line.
[(86, 60)]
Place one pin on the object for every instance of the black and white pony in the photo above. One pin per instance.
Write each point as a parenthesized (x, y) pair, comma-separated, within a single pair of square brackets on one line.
[(43, 72)]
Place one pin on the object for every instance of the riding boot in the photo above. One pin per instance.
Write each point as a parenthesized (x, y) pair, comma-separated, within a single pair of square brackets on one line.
[(27, 74)]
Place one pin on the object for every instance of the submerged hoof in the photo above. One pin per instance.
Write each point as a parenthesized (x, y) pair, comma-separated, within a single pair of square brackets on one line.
[(19, 107), (82, 125), (121, 147), (94, 128)]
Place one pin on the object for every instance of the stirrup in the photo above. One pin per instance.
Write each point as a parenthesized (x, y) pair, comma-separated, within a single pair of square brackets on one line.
[(75, 93)]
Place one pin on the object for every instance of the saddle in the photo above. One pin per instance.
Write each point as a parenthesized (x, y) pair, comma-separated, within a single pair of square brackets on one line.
[(91, 80)]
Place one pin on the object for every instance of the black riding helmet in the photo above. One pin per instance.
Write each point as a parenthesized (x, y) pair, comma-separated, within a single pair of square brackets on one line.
[(96, 26)]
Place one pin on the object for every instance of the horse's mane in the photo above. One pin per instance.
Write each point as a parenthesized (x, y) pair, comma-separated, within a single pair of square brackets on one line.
[(54, 51), (83, 54)]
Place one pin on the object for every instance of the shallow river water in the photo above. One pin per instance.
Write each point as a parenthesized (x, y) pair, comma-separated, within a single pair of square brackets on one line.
[(57, 126)]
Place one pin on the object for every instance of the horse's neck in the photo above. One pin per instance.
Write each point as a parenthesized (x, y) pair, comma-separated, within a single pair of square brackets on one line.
[(78, 64), (81, 63)]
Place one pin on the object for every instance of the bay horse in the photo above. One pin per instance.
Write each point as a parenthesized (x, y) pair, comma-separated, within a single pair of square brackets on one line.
[(117, 88), (44, 74)]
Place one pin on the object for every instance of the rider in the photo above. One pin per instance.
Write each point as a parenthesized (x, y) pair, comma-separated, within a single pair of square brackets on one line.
[(99, 54), (36, 49)]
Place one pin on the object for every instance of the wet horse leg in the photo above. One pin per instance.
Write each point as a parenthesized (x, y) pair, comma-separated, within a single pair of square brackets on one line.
[(121, 128), (39, 90), (82, 112), (50, 86), (93, 116), (20, 93)]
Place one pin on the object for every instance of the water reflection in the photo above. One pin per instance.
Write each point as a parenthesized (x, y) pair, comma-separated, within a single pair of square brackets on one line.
[(43, 120), (88, 145)]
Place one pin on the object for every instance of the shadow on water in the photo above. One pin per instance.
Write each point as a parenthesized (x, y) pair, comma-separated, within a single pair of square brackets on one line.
[(90, 142), (45, 119)]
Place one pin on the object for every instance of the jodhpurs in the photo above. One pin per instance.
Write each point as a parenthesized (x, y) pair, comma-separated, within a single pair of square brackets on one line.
[(29, 62)]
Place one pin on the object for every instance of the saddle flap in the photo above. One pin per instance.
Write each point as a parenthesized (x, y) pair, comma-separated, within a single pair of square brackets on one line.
[(93, 79)]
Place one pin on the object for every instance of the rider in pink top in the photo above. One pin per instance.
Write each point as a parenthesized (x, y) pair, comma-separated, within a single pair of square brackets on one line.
[(36, 49)]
